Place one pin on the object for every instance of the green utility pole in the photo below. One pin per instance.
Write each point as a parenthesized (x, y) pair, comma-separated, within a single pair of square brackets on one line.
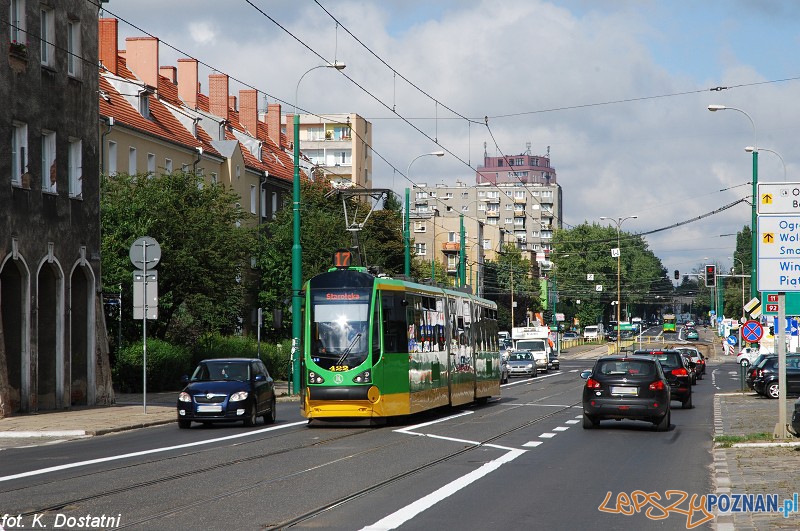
[(297, 264), (407, 235), (462, 269), (753, 228)]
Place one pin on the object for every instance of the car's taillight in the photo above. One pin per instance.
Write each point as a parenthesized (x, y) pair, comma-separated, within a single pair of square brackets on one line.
[(680, 372), (591, 383), (658, 385)]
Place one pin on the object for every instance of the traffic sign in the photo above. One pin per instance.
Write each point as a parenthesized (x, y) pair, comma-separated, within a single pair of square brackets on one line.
[(792, 303), (778, 198), (145, 253), (752, 331), (731, 340)]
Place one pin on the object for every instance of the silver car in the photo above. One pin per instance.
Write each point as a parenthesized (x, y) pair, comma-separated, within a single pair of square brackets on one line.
[(521, 363)]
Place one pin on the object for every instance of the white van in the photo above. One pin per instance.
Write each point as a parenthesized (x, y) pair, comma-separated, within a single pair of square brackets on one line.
[(592, 332)]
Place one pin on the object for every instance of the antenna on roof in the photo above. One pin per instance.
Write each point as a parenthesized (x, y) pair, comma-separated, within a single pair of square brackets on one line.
[(527, 148)]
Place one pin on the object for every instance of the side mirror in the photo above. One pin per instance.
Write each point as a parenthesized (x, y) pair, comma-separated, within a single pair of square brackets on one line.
[(185, 378), (259, 378), (586, 373)]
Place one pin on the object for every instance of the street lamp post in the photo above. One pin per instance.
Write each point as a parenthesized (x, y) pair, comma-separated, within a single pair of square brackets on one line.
[(618, 222), (297, 249), (751, 149), (753, 214), (406, 221)]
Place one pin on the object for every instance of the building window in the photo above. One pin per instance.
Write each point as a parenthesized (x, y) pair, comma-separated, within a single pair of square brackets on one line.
[(151, 164), (341, 133), (481, 207), (453, 237), (132, 160), (452, 261), (168, 165), (491, 221), (315, 133), (481, 193), (464, 195), (493, 194), (49, 161), (422, 195), (214, 178), (341, 157), (112, 158), (47, 35), (17, 26), (74, 48), (465, 208), (253, 198), (262, 201), (509, 206), (316, 156), (487, 245), (420, 249), (144, 104), (509, 221), (238, 172), (420, 226), (19, 151), (75, 167), (274, 205)]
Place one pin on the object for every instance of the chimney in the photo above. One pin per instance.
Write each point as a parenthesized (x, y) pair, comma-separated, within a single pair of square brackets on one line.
[(109, 43), (218, 95), (187, 82), (232, 102), (289, 128), (248, 110), (169, 72), (142, 58), (274, 122)]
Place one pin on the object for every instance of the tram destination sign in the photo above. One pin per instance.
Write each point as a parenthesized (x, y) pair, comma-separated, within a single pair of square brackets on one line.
[(778, 198)]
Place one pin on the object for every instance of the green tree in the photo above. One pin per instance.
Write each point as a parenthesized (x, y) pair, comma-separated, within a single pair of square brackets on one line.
[(205, 250), (512, 274)]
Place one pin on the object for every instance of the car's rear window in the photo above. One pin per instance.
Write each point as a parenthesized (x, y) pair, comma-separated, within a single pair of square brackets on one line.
[(626, 367), (669, 360)]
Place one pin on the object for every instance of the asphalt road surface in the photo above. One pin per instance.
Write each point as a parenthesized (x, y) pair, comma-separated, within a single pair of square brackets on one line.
[(521, 461)]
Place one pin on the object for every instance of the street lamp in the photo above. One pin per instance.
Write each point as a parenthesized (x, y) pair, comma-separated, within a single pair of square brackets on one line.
[(753, 214), (406, 228), (751, 149), (297, 250), (618, 222)]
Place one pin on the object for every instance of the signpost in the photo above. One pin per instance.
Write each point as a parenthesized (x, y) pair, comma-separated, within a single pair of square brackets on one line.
[(778, 240), (145, 253)]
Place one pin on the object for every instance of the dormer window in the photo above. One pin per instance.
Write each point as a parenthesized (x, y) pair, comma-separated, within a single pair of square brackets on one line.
[(144, 103)]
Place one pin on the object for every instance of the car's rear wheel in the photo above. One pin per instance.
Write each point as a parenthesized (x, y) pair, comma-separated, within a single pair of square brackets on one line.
[(269, 418), (251, 418), (745, 363), (687, 404), (184, 424), (773, 390), (663, 424), (590, 422)]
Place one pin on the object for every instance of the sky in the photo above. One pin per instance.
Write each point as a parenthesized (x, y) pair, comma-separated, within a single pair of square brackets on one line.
[(617, 90)]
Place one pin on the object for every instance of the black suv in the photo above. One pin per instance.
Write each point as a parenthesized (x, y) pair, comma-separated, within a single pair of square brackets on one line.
[(765, 381), (626, 387), (678, 372)]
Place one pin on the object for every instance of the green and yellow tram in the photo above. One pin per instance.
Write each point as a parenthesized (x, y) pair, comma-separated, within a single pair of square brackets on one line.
[(669, 323), (376, 347)]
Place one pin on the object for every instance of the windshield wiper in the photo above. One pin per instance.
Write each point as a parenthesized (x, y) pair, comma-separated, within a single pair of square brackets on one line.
[(348, 349)]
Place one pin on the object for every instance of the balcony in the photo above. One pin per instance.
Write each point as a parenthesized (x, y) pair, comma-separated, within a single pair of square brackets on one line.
[(451, 246), (492, 213)]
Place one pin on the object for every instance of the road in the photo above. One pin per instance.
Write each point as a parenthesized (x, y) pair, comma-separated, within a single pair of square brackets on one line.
[(520, 461)]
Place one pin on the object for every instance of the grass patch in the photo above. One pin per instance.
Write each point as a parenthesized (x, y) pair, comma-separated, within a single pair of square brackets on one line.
[(726, 441)]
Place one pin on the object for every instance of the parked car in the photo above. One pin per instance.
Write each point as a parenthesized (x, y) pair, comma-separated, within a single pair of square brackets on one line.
[(521, 363), (626, 387), (752, 369), (227, 390), (570, 335), (677, 370), (765, 381), (747, 355)]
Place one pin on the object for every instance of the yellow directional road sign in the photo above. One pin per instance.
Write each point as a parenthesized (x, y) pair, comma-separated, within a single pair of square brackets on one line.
[(768, 237), (766, 199)]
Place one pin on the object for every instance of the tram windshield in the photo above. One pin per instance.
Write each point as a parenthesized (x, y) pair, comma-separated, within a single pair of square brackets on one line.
[(339, 328)]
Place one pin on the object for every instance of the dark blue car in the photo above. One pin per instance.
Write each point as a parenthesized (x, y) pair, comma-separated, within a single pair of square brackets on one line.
[(227, 390)]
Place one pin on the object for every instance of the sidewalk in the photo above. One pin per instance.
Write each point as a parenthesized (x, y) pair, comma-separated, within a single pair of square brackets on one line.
[(126, 414)]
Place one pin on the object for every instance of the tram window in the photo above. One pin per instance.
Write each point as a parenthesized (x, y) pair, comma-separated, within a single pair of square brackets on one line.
[(376, 334), (395, 333)]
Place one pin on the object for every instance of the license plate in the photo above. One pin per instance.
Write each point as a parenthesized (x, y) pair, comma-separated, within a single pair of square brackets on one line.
[(209, 409), (627, 391)]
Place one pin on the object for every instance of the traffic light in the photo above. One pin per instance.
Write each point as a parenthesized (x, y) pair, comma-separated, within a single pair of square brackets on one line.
[(711, 275), (677, 275)]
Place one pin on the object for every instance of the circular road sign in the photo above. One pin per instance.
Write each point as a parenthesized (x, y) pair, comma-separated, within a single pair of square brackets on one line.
[(145, 250), (732, 340), (752, 331)]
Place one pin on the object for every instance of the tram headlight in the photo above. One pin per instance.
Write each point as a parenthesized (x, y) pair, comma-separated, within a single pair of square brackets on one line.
[(315, 378), (363, 377)]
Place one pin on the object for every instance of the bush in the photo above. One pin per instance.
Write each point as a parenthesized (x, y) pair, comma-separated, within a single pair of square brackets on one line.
[(166, 364), (275, 357)]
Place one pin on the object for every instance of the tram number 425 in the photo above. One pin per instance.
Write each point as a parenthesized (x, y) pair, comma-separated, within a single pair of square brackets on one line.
[(339, 368)]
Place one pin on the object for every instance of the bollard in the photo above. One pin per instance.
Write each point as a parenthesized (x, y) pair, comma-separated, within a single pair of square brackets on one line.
[(742, 375)]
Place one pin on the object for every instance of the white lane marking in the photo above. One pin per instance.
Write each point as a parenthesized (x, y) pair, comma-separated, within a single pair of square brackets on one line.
[(572, 421), (574, 370), (145, 452), (408, 512), (517, 404), (561, 428), (547, 435), (533, 380), (579, 416), (532, 444), (442, 437), (418, 426)]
